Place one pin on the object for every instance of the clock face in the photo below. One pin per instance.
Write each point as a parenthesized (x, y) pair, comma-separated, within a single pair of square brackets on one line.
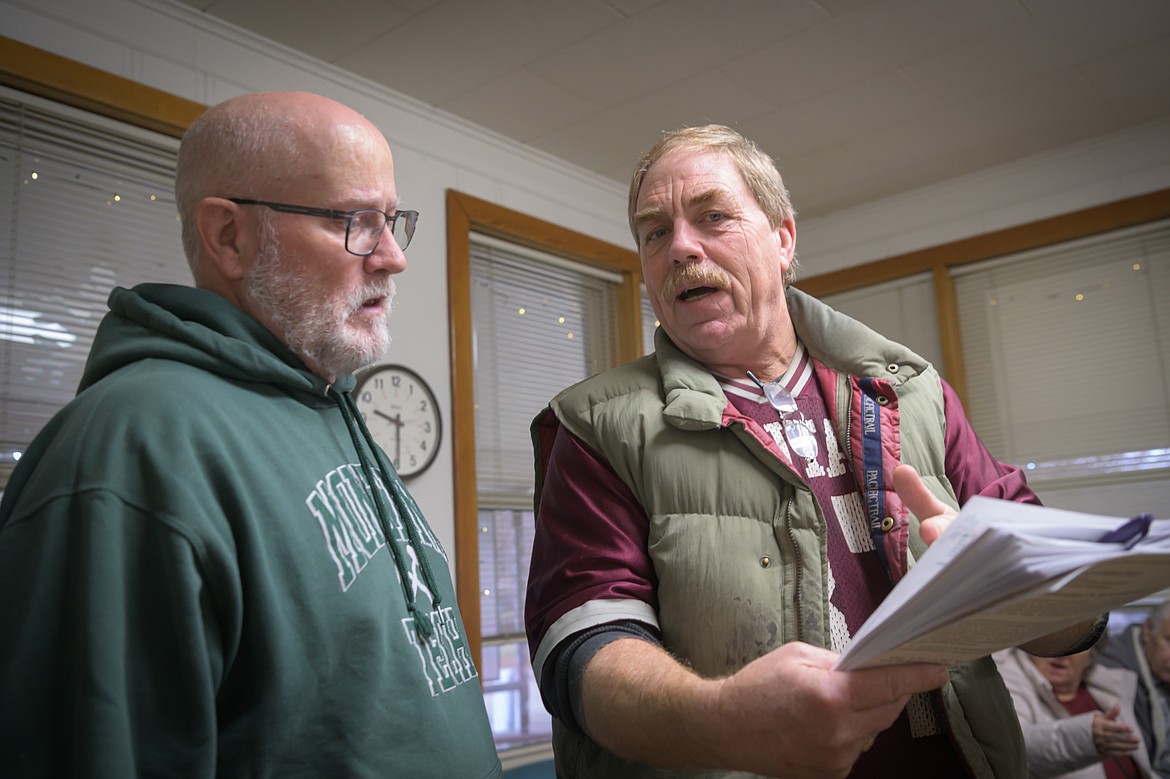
[(403, 417)]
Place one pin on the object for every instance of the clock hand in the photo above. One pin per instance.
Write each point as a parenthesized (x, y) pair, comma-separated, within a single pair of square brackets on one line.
[(397, 438), (396, 420)]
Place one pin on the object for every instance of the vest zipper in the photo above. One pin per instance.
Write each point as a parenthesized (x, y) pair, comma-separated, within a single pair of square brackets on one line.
[(798, 600)]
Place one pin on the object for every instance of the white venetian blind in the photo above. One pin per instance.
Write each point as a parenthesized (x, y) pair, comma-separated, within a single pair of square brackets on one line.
[(540, 323), (1067, 352), (89, 205)]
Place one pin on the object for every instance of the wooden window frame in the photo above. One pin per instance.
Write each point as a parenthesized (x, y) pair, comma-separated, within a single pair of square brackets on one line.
[(939, 260), (467, 214), (63, 80)]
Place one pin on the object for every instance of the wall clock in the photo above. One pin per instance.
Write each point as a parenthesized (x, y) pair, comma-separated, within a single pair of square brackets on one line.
[(403, 417)]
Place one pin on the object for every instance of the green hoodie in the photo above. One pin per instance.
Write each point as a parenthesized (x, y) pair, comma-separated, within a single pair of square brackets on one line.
[(196, 579)]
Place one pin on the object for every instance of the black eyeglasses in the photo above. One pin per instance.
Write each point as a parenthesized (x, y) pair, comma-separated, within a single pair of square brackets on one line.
[(363, 228)]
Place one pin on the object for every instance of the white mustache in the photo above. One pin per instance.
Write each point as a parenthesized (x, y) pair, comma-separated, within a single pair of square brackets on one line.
[(382, 289)]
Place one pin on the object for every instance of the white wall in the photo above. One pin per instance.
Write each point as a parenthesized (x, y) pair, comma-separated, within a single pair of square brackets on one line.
[(173, 48)]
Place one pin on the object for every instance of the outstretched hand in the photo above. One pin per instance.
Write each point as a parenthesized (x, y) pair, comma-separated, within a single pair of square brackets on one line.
[(1113, 738), (934, 515)]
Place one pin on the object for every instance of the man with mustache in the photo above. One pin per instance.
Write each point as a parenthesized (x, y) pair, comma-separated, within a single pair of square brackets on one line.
[(207, 565), (715, 520)]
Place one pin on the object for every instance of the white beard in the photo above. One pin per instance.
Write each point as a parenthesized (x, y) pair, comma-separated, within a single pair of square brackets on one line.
[(322, 331)]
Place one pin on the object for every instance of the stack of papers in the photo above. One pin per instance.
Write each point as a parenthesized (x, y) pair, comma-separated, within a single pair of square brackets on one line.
[(1005, 573)]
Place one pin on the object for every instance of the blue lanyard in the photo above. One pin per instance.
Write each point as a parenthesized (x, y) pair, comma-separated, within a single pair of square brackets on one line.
[(873, 475)]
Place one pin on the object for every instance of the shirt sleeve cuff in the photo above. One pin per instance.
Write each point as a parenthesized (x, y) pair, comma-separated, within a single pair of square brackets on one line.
[(560, 682)]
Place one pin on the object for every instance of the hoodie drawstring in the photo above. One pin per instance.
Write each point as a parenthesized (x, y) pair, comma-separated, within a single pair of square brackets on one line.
[(407, 509)]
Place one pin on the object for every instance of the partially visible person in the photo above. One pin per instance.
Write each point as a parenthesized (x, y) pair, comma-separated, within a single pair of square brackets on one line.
[(208, 568), (1145, 650), (1077, 716)]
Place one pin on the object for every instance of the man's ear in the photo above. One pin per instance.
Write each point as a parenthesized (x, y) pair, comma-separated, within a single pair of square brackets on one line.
[(226, 245), (786, 238)]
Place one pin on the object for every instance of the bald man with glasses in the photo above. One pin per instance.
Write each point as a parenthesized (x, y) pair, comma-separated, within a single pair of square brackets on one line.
[(208, 567)]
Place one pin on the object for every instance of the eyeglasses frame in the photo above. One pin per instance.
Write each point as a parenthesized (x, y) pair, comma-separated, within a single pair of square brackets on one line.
[(331, 213), (785, 404)]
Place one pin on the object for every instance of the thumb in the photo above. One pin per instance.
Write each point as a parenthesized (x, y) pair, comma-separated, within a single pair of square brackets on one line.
[(1113, 712), (913, 492)]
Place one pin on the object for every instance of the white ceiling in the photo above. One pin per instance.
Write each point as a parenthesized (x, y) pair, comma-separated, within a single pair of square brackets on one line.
[(856, 99)]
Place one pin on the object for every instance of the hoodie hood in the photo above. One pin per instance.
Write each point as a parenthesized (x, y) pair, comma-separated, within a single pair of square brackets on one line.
[(202, 329)]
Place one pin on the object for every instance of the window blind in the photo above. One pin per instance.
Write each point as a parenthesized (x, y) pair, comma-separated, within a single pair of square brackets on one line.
[(1068, 362), (537, 328), (539, 324), (89, 205)]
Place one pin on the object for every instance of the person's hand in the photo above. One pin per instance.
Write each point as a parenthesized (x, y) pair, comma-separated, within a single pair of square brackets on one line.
[(934, 515), (1113, 738), (789, 714)]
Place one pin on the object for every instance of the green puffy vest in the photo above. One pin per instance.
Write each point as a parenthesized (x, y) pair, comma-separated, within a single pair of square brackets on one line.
[(736, 538)]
